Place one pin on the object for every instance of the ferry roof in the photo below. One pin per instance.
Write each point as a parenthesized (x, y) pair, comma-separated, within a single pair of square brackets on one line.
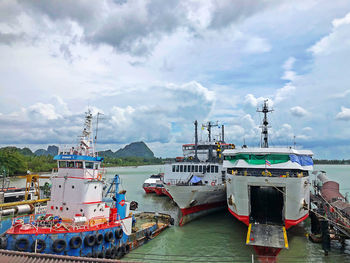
[(258, 150), (67, 157)]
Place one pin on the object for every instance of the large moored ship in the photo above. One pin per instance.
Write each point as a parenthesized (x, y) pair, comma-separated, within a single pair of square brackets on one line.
[(268, 190), (196, 182)]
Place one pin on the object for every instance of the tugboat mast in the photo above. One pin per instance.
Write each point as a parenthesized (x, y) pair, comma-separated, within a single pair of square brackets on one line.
[(264, 143), (209, 125)]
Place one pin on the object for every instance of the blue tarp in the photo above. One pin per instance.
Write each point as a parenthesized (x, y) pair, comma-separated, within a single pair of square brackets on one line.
[(303, 160), (195, 179)]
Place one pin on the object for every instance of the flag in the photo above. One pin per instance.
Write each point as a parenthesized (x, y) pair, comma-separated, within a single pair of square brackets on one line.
[(267, 162)]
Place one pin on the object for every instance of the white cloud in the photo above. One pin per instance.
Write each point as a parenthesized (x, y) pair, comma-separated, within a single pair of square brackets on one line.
[(344, 114), (298, 111), (251, 100), (289, 63), (284, 93)]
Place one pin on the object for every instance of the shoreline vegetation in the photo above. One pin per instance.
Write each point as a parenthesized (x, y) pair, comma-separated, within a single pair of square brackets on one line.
[(15, 162)]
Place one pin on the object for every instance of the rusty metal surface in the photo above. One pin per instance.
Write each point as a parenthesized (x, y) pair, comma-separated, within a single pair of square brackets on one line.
[(8, 256), (330, 192)]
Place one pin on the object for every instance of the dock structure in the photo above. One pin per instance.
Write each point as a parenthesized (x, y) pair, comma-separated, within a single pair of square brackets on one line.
[(19, 257), (330, 217)]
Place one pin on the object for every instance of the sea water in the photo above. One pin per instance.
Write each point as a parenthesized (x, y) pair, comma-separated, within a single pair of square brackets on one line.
[(217, 237)]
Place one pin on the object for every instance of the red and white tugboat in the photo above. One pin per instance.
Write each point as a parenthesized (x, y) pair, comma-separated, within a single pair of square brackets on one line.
[(77, 221), (268, 190), (196, 182)]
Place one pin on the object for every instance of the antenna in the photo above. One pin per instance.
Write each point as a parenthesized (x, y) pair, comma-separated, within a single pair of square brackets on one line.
[(98, 116), (195, 140), (264, 127), (294, 142)]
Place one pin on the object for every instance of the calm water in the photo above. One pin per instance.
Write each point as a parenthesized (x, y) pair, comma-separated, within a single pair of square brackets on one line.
[(218, 237)]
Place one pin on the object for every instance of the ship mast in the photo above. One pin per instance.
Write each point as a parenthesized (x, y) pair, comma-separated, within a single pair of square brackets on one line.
[(264, 127), (209, 125)]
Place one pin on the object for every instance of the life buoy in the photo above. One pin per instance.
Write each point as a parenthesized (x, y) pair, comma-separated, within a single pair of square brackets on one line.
[(99, 177), (59, 245), (21, 244), (92, 222), (40, 245), (75, 242), (89, 240), (118, 233), (213, 183), (99, 238), (108, 236)]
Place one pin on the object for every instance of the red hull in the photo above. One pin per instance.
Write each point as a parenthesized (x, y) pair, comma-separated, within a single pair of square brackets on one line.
[(199, 208), (149, 190), (159, 191), (244, 219)]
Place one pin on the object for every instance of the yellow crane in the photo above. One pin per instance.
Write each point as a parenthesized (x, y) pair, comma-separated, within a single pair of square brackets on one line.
[(33, 179)]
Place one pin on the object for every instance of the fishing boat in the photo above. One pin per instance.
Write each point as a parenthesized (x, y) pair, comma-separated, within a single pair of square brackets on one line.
[(80, 220), (196, 181), (268, 190)]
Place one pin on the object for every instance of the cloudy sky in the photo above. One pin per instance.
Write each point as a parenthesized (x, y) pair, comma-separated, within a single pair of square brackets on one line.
[(153, 67)]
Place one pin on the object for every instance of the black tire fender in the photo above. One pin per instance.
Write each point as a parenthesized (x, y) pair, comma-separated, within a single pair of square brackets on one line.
[(22, 244), (99, 239), (59, 245), (89, 240), (40, 245), (75, 242), (108, 236), (118, 233)]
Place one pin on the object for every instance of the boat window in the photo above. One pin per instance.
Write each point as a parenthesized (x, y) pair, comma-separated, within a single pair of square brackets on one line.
[(96, 166), (196, 168), (62, 164), (177, 168), (70, 164), (200, 168), (185, 168), (216, 169), (89, 165), (181, 168), (173, 168), (208, 169), (192, 170), (78, 164), (188, 168), (212, 168)]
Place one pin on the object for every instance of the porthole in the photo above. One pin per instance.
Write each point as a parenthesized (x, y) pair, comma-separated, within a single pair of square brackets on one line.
[(72, 186), (81, 210), (95, 186), (67, 208), (59, 186), (94, 210), (56, 208)]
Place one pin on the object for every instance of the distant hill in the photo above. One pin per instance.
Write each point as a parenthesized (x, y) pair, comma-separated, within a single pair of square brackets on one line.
[(51, 150), (135, 149)]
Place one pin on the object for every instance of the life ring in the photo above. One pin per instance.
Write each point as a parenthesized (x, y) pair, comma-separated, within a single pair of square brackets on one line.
[(99, 238), (40, 245), (99, 176), (108, 236), (92, 222), (75, 242), (89, 240), (213, 183), (59, 245), (22, 244), (118, 233)]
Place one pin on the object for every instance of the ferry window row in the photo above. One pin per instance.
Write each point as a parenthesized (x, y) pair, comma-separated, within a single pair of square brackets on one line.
[(195, 168), (77, 164)]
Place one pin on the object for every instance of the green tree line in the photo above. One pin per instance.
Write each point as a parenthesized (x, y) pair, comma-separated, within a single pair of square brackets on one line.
[(17, 163)]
